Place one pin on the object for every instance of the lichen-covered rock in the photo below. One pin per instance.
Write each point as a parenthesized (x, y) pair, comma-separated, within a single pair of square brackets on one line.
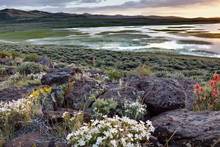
[(59, 76), (188, 128)]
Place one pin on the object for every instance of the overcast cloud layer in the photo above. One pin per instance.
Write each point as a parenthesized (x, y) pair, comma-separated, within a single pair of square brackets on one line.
[(100, 6)]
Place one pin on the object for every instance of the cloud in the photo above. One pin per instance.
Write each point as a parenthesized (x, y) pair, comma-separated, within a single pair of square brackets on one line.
[(149, 4), (90, 1), (102, 6), (162, 3), (140, 4), (44, 2)]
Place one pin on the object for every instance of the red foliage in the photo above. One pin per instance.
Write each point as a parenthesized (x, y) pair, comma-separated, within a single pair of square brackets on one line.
[(198, 89), (213, 84)]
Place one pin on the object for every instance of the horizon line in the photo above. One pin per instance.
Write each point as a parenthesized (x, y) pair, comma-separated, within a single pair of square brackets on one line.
[(110, 14)]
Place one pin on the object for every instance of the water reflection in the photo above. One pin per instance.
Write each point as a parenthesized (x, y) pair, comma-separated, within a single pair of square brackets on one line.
[(198, 40)]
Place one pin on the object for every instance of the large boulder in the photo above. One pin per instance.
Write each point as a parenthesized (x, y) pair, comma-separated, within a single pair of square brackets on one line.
[(187, 128), (161, 95), (59, 76)]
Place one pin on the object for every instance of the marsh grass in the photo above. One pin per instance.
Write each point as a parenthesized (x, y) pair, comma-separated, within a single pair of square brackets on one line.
[(194, 42), (32, 34), (207, 35)]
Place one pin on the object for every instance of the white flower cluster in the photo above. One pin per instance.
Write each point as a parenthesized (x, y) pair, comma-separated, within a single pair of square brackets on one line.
[(134, 110), (23, 104), (36, 76), (19, 105), (115, 131), (12, 105), (139, 107)]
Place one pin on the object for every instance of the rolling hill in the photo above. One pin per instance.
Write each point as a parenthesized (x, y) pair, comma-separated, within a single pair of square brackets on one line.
[(14, 16)]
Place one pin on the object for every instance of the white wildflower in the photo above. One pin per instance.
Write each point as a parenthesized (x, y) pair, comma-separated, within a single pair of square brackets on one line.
[(117, 131)]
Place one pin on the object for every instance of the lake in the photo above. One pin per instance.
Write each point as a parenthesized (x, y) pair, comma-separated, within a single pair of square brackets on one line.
[(197, 40)]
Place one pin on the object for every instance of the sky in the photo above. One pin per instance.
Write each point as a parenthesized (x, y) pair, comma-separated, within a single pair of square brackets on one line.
[(183, 8)]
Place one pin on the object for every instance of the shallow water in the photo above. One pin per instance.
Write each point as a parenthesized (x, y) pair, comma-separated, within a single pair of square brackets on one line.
[(180, 39)]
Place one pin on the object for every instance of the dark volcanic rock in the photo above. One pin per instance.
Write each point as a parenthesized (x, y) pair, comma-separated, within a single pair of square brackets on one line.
[(6, 61), (188, 128), (34, 139), (10, 70), (57, 116), (45, 61), (188, 86), (59, 76), (161, 95), (82, 90), (13, 93)]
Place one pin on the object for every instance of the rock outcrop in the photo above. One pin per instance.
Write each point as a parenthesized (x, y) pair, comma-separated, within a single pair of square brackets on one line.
[(46, 62), (59, 76), (187, 128), (34, 139), (14, 93)]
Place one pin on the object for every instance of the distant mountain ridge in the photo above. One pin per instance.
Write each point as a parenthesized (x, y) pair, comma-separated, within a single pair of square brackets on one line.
[(66, 19)]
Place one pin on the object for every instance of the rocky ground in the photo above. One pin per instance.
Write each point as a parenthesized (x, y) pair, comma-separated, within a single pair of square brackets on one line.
[(169, 104)]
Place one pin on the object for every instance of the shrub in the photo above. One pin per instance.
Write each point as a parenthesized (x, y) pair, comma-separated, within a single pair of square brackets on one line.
[(208, 96), (73, 123), (114, 132), (3, 72), (29, 68), (31, 58), (143, 70), (7, 54), (114, 74), (103, 107)]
